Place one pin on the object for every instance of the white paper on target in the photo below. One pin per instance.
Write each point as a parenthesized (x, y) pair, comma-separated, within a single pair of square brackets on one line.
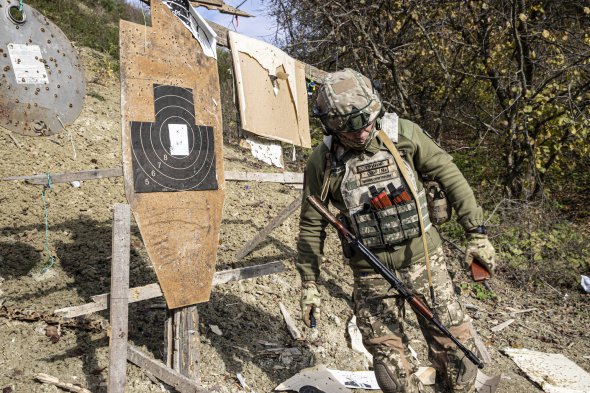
[(178, 134), (27, 63), (195, 23)]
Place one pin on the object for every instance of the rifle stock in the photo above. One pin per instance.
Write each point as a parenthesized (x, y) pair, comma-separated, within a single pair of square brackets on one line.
[(415, 302)]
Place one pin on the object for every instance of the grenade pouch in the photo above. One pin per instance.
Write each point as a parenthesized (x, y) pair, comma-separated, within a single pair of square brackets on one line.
[(439, 208)]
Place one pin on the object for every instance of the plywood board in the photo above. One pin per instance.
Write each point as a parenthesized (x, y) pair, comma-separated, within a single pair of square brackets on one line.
[(179, 222), (273, 102)]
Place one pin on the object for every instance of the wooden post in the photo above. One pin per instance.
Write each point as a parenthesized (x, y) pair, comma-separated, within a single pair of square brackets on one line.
[(181, 332), (119, 299)]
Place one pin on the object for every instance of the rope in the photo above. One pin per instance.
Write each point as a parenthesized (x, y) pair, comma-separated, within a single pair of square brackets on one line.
[(20, 6), (46, 246)]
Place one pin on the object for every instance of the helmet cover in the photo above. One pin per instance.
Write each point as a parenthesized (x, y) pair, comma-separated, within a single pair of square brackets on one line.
[(347, 102)]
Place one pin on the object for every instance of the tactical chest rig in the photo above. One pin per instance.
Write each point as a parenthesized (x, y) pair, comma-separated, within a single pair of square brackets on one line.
[(392, 219)]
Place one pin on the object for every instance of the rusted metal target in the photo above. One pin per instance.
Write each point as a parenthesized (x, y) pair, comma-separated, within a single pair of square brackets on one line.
[(42, 82)]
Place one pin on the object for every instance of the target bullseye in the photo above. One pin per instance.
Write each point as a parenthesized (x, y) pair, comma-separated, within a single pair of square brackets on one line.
[(173, 153)]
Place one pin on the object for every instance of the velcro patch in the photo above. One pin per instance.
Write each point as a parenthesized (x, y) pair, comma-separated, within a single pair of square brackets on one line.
[(343, 85)]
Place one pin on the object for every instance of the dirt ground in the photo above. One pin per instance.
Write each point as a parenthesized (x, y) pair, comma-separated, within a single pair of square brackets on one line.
[(246, 312)]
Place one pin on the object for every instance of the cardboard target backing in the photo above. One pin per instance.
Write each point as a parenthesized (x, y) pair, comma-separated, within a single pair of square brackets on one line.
[(172, 152)]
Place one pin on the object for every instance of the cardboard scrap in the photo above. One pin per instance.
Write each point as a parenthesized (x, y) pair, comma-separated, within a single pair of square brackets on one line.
[(553, 372), (330, 381), (271, 91)]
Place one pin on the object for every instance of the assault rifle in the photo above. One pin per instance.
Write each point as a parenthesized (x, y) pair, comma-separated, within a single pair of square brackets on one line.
[(417, 304)]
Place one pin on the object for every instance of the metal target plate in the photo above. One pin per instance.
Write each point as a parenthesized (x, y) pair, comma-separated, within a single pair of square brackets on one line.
[(42, 82)]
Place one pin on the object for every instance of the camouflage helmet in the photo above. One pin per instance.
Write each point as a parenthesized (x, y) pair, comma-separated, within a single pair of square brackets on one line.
[(347, 102)]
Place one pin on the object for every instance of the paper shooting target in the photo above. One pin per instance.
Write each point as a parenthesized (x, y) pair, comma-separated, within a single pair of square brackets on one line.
[(173, 153)]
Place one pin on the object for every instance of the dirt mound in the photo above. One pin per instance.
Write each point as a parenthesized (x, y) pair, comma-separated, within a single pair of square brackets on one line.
[(254, 340)]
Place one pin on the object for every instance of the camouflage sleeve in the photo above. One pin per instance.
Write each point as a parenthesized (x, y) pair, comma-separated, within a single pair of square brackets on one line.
[(312, 226), (434, 162)]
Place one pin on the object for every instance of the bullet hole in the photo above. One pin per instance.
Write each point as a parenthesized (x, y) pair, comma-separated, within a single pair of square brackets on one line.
[(7, 68)]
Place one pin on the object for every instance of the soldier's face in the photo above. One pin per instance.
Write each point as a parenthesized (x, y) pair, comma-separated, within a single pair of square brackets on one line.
[(359, 136)]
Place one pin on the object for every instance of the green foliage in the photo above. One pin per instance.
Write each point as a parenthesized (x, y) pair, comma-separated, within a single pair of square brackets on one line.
[(507, 77), (90, 23), (479, 292)]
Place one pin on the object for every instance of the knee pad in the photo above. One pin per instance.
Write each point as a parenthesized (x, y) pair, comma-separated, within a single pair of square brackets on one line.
[(387, 376), (463, 371)]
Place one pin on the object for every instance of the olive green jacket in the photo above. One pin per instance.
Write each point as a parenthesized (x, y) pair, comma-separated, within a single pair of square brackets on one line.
[(425, 158)]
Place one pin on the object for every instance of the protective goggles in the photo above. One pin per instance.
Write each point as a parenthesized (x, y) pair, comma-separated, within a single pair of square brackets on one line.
[(349, 122)]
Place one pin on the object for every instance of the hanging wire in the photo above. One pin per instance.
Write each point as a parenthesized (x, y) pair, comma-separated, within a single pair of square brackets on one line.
[(51, 259), (69, 136)]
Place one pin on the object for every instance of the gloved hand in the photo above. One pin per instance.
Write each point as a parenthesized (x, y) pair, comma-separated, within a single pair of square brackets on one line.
[(310, 304), (480, 248)]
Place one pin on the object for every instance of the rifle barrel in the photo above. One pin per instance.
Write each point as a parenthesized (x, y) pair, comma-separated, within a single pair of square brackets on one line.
[(416, 303)]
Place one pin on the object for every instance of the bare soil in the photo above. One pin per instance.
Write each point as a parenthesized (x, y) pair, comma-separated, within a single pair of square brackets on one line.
[(247, 312)]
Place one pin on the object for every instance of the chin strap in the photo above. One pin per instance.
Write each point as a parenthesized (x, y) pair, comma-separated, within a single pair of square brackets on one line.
[(402, 167)]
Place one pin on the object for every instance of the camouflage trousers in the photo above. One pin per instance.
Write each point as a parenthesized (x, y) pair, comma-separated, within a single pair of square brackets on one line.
[(379, 313)]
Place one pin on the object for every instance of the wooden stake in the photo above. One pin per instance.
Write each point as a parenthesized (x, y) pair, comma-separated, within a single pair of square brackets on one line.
[(163, 373), (119, 302), (49, 379), (275, 222), (100, 302)]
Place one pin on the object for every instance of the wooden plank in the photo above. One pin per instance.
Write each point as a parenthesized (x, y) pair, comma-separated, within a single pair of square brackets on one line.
[(479, 344), (275, 222), (291, 326), (119, 303), (100, 302), (180, 229), (163, 373), (182, 342), (70, 176), (248, 272), (285, 177), (221, 7)]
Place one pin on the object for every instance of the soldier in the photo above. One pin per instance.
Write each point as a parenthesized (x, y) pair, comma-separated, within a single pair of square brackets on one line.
[(356, 161)]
